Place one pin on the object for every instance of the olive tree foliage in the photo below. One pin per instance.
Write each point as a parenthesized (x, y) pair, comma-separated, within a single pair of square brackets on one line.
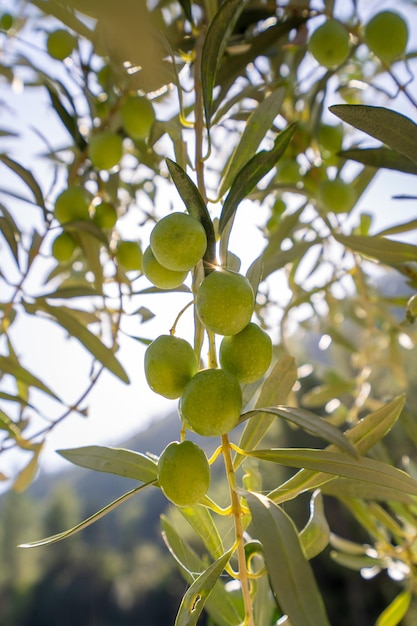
[(207, 107)]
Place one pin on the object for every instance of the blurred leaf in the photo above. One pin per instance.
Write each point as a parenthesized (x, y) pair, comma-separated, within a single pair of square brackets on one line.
[(290, 574), (61, 12), (27, 177), (200, 519), (7, 424), (87, 522), (274, 258), (309, 422), (395, 611), (339, 464), (10, 232), (379, 248), (392, 128), (69, 121), (68, 320), (195, 597), (214, 46), (380, 158), (74, 291), (219, 604), (349, 488), (34, 248), (28, 473), (256, 127), (399, 228), (249, 176), (195, 204), (314, 537), (364, 435), (186, 7), (118, 461), (275, 390), (322, 394), (9, 365)]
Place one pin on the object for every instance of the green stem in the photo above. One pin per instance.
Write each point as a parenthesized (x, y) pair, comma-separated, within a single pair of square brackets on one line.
[(237, 516)]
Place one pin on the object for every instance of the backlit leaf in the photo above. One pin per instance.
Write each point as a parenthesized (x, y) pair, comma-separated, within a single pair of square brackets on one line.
[(27, 177), (249, 176), (275, 390), (28, 473), (90, 520), (290, 574), (215, 43), (257, 125), (395, 612), (196, 596), (394, 129), (381, 158), (339, 464), (10, 366), (118, 461), (310, 423), (380, 248), (315, 536), (200, 519)]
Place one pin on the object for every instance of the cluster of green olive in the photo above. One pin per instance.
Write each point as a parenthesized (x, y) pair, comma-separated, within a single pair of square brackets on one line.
[(210, 398), (386, 35), (73, 205)]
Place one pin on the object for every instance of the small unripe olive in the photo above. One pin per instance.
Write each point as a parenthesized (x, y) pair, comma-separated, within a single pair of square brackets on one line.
[(137, 116), (329, 44), (211, 403), (129, 256), (159, 275), (386, 35), (105, 150), (225, 302), (60, 44), (71, 205), (170, 363), (247, 355), (63, 247), (178, 241), (184, 473)]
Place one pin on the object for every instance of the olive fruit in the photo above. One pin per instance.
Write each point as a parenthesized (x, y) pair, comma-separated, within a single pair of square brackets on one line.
[(170, 363), (225, 302), (159, 275), (105, 150), (329, 44), (63, 247), (105, 215), (178, 241), (211, 403), (386, 35), (6, 21), (183, 473), (129, 256), (331, 137), (72, 204), (60, 44), (336, 195), (137, 117), (247, 355)]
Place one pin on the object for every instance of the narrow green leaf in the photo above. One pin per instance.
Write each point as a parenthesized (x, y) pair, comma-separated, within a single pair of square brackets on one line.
[(310, 423), (195, 597), (275, 390), (74, 291), (186, 7), (339, 464), (28, 473), (290, 574), (315, 536), (118, 461), (194, 203), (258, 123), (200, 519), (395, 611), (69, 121), (219, 604), (26, 176), (380, 158), (90, 520), (349, 488), (254, 170), (214, 46), (64, 15), (381, 249), (275, 258), (76, 329), (405, 227), (394, 129), (9, 365), (364, 435)]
